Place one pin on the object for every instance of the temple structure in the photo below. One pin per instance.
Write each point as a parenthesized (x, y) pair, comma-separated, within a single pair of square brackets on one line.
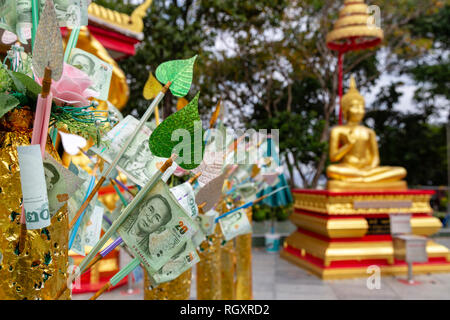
[(345, 229)]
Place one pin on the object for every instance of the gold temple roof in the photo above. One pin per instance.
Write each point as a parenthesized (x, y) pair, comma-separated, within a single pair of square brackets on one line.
[(130, 25)]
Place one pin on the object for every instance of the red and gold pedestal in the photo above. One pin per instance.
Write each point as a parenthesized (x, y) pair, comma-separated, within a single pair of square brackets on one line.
[(340, 234)]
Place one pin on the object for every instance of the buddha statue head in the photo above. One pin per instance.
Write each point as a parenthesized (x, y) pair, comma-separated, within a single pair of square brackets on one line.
[(353, 105)]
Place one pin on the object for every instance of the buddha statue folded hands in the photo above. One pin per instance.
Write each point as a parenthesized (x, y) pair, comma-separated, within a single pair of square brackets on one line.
[(355, 148)]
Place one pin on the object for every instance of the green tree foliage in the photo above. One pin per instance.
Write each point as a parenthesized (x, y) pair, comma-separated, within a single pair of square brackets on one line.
[(268, 61)]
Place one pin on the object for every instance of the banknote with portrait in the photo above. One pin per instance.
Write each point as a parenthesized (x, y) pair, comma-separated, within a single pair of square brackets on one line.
[(157, 229)]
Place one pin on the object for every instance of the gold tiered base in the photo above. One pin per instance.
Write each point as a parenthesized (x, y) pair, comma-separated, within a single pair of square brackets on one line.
[(336, 185), (341, 234)]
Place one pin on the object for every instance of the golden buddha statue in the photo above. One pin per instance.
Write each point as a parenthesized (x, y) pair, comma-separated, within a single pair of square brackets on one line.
[(356, 149)]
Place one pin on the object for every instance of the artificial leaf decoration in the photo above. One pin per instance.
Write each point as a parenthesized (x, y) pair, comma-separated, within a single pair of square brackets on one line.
[(186, 129), (32, 88), (179, 72), (181, 103), (211, 192), (7, 103), (152, 87), (48, 46)]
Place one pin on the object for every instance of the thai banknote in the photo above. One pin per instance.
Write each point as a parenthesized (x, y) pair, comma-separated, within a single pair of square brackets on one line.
[(98, 71), (206, 221), (8, 15), (138, 163), (61, 183), (247, 191), (198, 238), (78, 245), (157, 229), (34, 190), (88, 233), (16, 15), (180, 262), (184, 193), (235, 224), (93, 227), (74, 203)]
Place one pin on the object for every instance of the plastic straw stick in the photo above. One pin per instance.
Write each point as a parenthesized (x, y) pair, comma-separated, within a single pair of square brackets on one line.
[(117, 278), (71, 43), (35, 20)]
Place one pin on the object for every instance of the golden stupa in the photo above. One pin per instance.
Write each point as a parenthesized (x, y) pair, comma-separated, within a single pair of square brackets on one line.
[(355, 27)]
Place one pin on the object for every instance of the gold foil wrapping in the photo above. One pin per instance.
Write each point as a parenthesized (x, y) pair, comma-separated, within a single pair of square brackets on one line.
[(244, 264), (228, 266), (209, 284), (41, 268), (177, 289)]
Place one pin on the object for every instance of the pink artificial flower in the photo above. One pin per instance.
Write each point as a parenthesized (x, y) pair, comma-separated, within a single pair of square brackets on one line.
[(72, 88), (179, 172)]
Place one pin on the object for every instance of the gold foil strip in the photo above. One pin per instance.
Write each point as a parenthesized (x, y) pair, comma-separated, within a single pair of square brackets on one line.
[(228, 266), (177, 289), (244, 264), (41, 269), (209, 269)]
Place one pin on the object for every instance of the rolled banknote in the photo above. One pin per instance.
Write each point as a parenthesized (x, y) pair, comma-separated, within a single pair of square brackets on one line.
[(78, 245), (34, 189), (184, 193), (198, 238), (98, 71), (61, 183), (93, 227), (235, 224), (137, 163), (180, 262), (206, 222), (157, 228), (16, 15), (74, 204)]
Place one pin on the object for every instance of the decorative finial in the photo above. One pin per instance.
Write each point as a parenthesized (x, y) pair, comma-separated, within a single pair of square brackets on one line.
[(351, 95)]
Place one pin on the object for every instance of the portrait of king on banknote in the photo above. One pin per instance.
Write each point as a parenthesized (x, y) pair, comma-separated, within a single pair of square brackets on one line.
[(157, 228)]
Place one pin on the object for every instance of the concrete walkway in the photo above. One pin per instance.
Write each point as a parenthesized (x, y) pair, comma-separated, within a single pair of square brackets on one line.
[(277, 279)]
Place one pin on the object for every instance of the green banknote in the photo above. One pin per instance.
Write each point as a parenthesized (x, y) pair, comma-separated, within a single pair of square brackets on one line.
[(157, 229), (180, 262), (184, 193), (8, 15), (16, 15), (235, 224), (61, 183), (138, 163), (34, 190), (98, 71), (74, 203)]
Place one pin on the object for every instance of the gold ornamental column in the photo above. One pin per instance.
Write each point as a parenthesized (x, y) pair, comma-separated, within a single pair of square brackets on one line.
[(228, 266), (40, 270), (209, 284), (177, 289), (244, 264)]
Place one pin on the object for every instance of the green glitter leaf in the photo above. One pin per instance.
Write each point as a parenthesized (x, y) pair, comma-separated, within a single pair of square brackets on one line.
[(7, 103), (187, 143), (33, 89), (179, 72)]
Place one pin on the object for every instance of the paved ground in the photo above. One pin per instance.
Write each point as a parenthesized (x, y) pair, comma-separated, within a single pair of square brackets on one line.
[(274, 278)]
